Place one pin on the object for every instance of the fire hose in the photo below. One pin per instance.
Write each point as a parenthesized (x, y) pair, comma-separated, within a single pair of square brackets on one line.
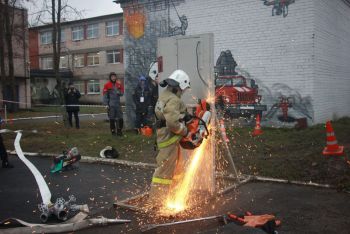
[(74, 224)]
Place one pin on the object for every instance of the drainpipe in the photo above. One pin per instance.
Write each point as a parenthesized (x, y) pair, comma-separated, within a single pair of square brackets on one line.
[(25, 64)]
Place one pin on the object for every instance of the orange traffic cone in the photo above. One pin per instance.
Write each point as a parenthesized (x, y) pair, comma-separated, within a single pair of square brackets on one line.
[(257, 130), (332, 147), (223, 131)]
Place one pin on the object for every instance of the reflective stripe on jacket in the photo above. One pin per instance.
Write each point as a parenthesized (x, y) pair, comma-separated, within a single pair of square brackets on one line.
[(157, 180)]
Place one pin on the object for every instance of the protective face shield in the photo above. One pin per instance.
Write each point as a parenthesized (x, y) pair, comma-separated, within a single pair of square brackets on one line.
[(177, 78), (153, 70), (109, 152)]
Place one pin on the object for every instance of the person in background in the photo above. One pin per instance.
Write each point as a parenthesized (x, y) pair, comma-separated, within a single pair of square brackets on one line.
[(112, 91), (153, 84), (142, 98), (3, 152), (72, 96)]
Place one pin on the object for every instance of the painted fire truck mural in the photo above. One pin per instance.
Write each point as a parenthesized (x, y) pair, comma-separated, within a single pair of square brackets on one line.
[(238, 95), (234, 95)]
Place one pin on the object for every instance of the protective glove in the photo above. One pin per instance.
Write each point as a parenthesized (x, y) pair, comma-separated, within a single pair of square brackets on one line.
[(187, 118)]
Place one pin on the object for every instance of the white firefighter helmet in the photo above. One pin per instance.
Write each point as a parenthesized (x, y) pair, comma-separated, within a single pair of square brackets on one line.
[(181, 79), (153, 70), (109, 152)]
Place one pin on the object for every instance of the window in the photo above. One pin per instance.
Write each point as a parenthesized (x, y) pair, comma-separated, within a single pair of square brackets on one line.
[(114, 56), (93, 59), (92, 31), (46, 63), (46, 38), (79, 60), (78, 33), (93, 87), (63, 35), (112, 28), (80, 86), (64, 61)]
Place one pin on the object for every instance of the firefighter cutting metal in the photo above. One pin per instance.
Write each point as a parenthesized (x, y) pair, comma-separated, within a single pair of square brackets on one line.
[(175, 128)]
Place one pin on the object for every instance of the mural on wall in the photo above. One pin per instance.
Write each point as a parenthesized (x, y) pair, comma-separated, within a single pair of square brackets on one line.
[(286, 106), (135, 21), (45, 91), (238, 95), (178, 30), (146, 21), (279, 7)]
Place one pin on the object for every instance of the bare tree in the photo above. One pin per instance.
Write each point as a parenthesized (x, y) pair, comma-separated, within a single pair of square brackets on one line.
[(2, 50), (56, 10), (7, 12)]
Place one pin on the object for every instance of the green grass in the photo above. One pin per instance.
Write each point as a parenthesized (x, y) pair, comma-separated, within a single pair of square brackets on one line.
[(279, 153), (292, 154), (53, 137)]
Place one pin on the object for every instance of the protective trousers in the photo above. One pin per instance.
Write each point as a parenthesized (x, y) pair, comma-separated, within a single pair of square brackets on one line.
[(115, 114), (167, 175)]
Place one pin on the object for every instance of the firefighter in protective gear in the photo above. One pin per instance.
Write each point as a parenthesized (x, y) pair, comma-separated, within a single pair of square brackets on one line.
[(170, 111), (112, 91)]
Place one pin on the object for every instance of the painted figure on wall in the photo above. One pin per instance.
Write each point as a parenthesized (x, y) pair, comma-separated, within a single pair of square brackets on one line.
[(280, 7), (179, 30)]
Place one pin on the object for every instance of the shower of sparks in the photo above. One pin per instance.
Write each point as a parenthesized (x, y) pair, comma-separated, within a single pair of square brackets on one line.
[(177, 200)]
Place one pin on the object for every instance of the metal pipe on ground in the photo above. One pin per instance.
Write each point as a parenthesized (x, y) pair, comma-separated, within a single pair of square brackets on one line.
[(149, 227)]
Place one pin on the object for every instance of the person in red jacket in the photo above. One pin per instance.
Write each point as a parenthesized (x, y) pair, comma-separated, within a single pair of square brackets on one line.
[(112, 92)]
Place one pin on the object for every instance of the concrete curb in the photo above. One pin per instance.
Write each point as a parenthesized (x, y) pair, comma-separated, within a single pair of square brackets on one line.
[(88, 159)]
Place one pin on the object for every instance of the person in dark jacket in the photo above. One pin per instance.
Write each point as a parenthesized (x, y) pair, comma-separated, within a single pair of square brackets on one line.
[(142, 99), (3, 152), (112, 91), (153, 85), (72, 96)]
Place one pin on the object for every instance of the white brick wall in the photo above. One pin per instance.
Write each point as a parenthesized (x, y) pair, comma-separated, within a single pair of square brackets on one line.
[(332, 59), (272, 49)]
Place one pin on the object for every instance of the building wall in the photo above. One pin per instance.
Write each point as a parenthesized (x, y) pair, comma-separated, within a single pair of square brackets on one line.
[(276, 51), (82, 75), (332, 57), (20, 58)]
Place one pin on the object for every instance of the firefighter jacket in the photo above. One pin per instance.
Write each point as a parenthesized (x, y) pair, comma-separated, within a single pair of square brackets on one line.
[(171, 110), (112, 93)]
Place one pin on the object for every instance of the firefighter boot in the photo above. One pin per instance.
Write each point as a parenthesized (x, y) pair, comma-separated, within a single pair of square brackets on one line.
[(5, 161), (112, 126), (120, 127)]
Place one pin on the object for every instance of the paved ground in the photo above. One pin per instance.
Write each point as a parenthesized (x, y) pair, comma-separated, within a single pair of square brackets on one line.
[(301, 209)]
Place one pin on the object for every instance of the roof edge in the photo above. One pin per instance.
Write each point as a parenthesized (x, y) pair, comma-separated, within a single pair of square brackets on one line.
[(79, 20)]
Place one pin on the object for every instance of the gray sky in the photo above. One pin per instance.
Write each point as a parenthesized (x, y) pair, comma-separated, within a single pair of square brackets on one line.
[(90, 8)]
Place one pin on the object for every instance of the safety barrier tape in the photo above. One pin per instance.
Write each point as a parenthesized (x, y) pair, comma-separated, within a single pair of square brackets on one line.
[(51, 116), (51, 105)]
